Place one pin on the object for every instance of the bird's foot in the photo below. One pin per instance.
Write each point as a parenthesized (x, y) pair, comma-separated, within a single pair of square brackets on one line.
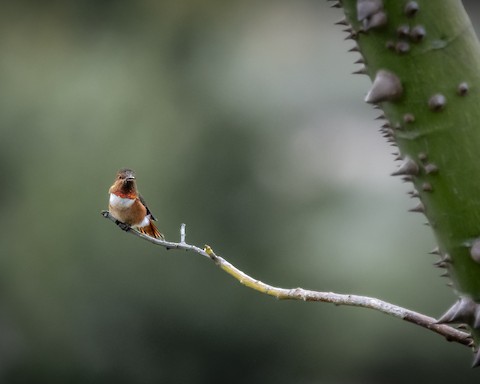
[(123, 226)]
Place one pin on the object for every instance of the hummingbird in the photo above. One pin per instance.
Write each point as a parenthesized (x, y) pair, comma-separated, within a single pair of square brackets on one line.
[(128, 206)]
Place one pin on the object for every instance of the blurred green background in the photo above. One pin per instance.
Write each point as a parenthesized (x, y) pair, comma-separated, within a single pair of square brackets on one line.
[(242, 120)]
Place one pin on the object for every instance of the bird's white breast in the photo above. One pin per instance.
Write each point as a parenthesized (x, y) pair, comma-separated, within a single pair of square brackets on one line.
[(144, 222), (120, 202)]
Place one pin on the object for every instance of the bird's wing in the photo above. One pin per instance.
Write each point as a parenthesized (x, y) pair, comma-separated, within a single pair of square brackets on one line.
[(142, 200)]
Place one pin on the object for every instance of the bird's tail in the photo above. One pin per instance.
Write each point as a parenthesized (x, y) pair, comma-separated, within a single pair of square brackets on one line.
[(151, 230)]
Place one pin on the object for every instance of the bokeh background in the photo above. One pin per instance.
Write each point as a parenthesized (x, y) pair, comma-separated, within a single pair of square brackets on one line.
[(242, 120)]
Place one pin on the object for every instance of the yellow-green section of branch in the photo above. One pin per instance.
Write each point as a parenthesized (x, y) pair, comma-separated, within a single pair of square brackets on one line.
[(246, 280)]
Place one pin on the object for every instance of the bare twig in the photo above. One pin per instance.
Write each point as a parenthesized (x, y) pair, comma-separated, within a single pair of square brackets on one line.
[(450, 333)]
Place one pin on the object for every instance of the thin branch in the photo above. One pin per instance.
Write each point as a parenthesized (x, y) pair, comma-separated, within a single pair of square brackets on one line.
[(450, 333)]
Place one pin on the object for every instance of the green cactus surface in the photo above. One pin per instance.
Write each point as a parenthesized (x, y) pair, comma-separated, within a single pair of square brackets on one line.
[(424, 61)]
